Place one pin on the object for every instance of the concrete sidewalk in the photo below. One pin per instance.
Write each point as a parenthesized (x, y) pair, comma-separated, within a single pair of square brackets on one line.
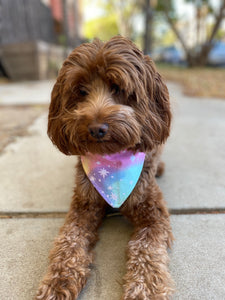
[(37, 182), (27, 92)]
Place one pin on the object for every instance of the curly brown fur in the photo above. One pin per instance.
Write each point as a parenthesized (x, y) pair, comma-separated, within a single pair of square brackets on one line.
[(111, 83)]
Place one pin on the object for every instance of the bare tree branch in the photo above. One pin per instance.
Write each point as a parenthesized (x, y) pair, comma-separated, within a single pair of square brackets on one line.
[(217, 24), (198, 58), (173, 25)]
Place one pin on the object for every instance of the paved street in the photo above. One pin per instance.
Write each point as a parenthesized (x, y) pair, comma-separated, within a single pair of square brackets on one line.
[(36, 185)]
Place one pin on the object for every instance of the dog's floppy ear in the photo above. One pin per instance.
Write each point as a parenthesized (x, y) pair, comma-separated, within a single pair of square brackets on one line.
[(159, 111), (55, 128)]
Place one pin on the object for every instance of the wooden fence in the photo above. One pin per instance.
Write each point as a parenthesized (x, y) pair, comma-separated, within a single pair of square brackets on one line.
[(25, 20)]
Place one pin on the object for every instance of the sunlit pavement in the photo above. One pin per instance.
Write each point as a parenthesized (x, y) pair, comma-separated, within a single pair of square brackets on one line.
[(36, 184), (27, 92)]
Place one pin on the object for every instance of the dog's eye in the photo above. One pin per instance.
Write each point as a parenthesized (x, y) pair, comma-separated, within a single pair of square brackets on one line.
[(83, 92), (115, 89)]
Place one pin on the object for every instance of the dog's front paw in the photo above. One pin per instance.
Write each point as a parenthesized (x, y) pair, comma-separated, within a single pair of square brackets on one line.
[(141, 291), (136, 291), (57, 289)]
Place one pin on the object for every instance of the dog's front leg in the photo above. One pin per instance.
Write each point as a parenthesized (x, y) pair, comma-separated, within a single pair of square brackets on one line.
[(147, 266), (71, 256)]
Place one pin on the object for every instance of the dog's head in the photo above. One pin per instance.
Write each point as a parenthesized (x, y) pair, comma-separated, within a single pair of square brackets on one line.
[(108, 97)]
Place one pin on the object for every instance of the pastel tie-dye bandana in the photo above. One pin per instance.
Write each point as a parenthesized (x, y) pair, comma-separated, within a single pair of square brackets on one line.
[(114, 176)]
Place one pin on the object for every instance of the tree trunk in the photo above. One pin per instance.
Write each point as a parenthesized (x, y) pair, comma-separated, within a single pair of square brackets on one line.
[(76, 38), (201, 58), (65, 27), (148, 27)]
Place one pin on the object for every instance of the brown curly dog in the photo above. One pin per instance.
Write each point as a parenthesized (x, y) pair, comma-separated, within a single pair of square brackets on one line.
[(109, 98)]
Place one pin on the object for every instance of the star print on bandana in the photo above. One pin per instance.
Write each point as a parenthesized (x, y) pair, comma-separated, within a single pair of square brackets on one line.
[(114, 176), (103, 172)]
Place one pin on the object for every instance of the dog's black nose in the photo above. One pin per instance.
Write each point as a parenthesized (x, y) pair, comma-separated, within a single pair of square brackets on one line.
[(98, 131)]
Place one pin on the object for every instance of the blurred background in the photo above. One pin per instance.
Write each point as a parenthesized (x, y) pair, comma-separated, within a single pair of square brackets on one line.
[(186, 38)]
